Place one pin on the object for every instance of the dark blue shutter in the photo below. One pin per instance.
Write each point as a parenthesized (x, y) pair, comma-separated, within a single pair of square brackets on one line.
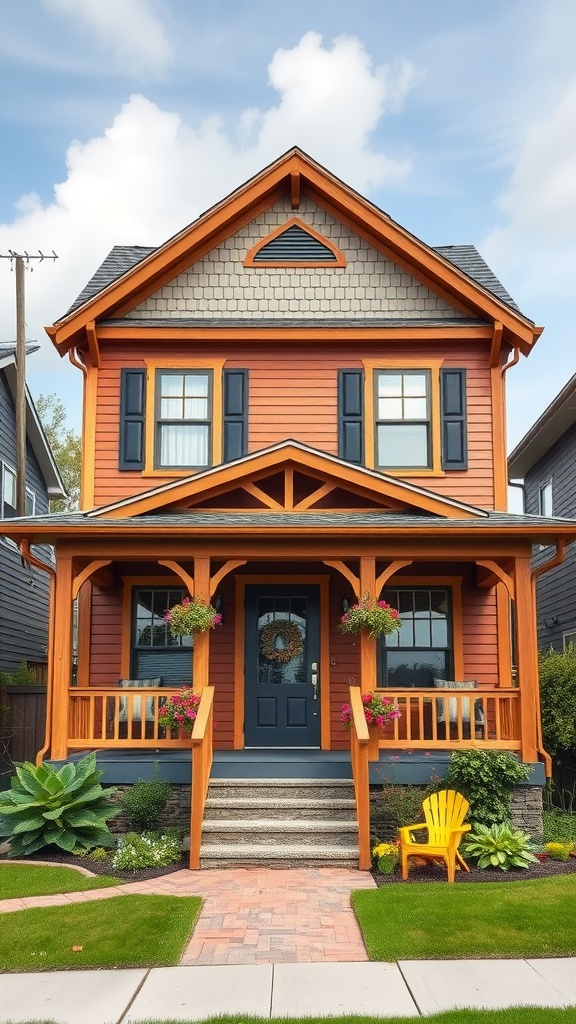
[(453, 404), (235, 414), (351, 415), (132, 413)]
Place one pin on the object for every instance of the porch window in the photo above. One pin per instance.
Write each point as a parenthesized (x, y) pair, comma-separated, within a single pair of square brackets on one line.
[(8, 507), (183, 418), (422, 649), (403, 427), (546, 500), (155, 652)]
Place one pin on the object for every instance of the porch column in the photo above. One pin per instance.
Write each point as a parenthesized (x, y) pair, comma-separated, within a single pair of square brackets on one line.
[(527, 657), (201, 660), (368, 669), (62, 657)]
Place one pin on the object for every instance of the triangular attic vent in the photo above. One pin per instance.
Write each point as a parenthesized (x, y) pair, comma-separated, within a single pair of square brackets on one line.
[(297, 244)]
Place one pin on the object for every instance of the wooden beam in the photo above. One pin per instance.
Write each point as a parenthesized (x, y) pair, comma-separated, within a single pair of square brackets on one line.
[(389, 571), (86, 573), (201, 652), (494, 572), (177, 569), (266, 500), (346, 572), (316, 496), (62, 658), (368, 663), (496, 346), (295, 189), (289, 488), (232, 563), (527, 657), (93, 348)]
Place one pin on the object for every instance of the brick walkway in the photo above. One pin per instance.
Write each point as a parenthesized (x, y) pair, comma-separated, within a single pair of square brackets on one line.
[(253, 915)]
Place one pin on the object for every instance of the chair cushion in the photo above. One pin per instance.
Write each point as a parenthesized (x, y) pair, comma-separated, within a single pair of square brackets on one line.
[(453, 684), (138, 684)]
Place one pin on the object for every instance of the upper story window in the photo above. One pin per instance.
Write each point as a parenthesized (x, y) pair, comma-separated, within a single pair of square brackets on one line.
[(403, 419), (546, 500), (183, 418), (30, 502), (8, 491)]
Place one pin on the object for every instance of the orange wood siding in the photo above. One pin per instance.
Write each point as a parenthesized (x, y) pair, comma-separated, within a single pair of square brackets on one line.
[(480, 637), (106, 637), (293, 394)]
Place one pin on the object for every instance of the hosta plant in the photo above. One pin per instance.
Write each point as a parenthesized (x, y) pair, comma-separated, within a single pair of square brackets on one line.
[(67, 808), (499, 846)]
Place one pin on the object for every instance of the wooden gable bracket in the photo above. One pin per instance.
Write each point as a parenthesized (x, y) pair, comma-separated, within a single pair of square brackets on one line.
[(346, 572), (177, 569), (91, 571), (496, 344), (489, 573), (93, 348), (295, 189), (229, 566), (389, 571)]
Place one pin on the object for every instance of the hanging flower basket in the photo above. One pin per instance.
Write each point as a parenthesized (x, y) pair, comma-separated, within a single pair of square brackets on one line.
[(192, 616), (281, 641), (376, 618), (377, 710), (180, 711)]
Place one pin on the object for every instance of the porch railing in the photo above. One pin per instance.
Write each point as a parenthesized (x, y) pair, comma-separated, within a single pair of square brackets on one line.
[(119, 719), (359, 756), (454, 719), (201, 768)]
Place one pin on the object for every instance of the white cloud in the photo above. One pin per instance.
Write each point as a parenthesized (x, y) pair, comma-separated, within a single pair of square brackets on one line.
[(150, 173), (129, 29), (537, 243)]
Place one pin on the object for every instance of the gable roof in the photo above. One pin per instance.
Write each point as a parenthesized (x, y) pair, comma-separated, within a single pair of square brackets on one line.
[(34, 429), (111, 290), (548, 428), (272, 460)]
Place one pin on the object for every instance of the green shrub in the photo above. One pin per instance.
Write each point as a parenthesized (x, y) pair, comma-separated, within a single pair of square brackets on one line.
[(557, 671), (499, 846), (486, 778), (99, 854), (149, 850), (399, 805), (559, 826), (558, 851), (67, 808), (23, 676), (144, 802)]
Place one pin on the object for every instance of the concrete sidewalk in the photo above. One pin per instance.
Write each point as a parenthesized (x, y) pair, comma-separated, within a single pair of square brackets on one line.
[(408, 988)]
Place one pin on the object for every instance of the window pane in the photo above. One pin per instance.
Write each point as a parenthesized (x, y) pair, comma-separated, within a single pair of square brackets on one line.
[(415, 409), (30, 503), (415, 384), (171, 409), (9, 486), (415, 668), (422, 602), (184, 445), (389, 385), (196, 409), (439, 633), (196, 385), (390, 409), (403, 444), (422, 632), (171, 384)]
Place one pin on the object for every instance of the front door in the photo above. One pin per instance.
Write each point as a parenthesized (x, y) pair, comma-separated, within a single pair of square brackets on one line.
[(281, 664)]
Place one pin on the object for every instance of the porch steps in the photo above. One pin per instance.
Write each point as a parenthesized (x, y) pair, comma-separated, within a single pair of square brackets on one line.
[(280, 822)]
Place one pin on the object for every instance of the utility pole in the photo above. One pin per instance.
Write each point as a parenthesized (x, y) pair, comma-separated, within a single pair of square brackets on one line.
[(20, 261)]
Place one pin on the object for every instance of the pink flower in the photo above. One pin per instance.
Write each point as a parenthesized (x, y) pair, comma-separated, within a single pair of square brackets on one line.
[(217, 619), (167, 617), (394, 613)]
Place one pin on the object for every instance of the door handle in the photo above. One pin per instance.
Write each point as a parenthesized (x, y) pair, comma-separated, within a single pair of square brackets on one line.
[(314, 679)]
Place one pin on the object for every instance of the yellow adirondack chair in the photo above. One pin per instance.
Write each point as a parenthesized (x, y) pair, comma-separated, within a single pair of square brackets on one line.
[(444, 813)]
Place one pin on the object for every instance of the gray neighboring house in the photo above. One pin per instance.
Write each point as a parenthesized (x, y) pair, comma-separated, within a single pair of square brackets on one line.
[(545, 460), (24, 590)]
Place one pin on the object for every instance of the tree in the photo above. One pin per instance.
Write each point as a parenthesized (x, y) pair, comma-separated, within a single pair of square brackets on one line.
[(558, 699), (66, 447)]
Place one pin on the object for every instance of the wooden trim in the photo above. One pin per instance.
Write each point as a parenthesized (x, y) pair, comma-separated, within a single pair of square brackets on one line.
[(504, 638), (339, 261), (330, 333), (289, 489), (388, 572), (499, 461), (86, 573), (84, 633), (295, 189), (496, 570), (216, 424), (527, 657), (260, 495), (229, 566), (62, 658), (88, 457), (177, 569), (201, 649), (353, 580), (321, 492), (408, 362), (92, 339), (496, 346), (368, 658), (323, 584)]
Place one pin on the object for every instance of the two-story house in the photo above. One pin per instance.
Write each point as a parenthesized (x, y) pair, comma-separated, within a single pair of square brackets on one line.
[(544, 461), (24, 589), (292, 404)]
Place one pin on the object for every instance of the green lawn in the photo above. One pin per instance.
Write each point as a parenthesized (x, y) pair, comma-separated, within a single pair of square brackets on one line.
[(123, 931), (18, 880), (500, 919), (522, 1015)]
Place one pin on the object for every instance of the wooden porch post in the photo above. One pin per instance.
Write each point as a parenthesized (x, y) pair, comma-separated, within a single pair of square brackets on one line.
[(527, 657), (368, 669), (62, 657), (201, 660)]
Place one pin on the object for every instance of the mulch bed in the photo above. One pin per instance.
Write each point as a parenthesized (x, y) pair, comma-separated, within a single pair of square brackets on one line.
[(437, 873), (104, 867)]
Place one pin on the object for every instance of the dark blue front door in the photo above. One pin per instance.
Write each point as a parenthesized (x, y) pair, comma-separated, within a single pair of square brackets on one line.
[(282, 660)]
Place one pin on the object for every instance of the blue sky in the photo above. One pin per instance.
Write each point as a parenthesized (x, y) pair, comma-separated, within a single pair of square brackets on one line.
[(122, 121)]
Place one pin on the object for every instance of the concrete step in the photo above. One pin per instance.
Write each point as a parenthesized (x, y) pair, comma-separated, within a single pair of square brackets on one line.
[(264, 855), (275, 832), (279, 789), (240, 808)]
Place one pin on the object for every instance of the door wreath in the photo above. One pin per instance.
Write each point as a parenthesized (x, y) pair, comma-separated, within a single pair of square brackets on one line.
[(288, 634)]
